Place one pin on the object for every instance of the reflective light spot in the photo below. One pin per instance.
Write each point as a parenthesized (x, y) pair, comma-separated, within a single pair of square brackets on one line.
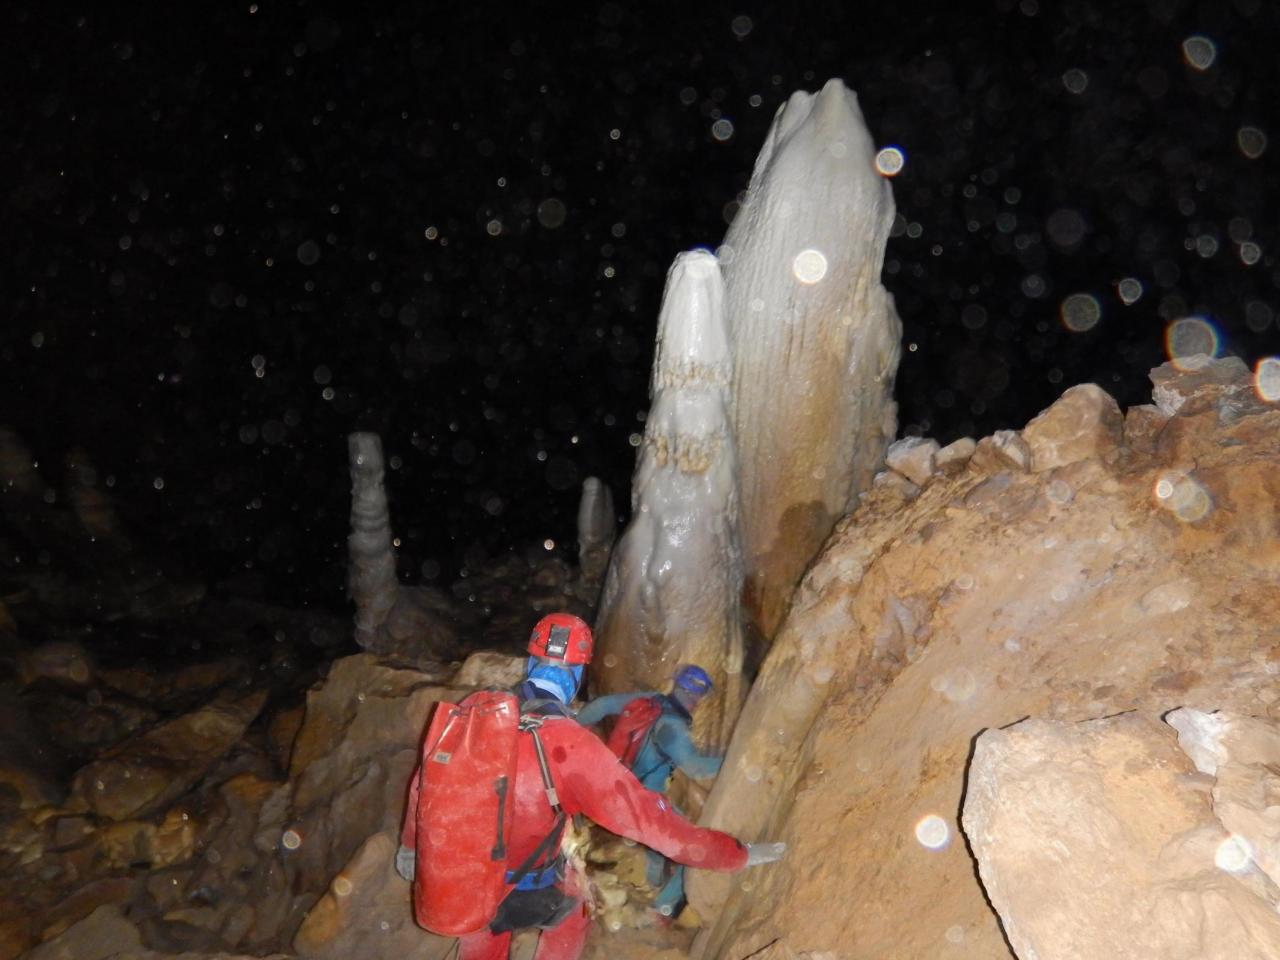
[(1251, 141), (1080, 312), (1058, 491), (1066, 228), (933, 833), (493, 228), (548, 544), (1075, 80), (1060, 592), (890, 161), (308, 253), (1250, 253), (741, 25), (1012, 645), (809, 266), (1191, 342), (964, 581), (754, 773), (1184, 497), (1130, 290), (955, 934), (1266, 379), (956, 685), (722, 129), (1233, 855), (342, 887), (1258, 316), (1199, 52), (552, 213), (291, 840)]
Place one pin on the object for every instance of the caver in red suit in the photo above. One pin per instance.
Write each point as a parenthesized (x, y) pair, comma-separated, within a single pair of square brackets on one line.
[(589, 780)]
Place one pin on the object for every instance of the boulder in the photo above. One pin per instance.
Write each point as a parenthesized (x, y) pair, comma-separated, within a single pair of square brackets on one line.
[(488, 668), (103, 933), (913, 457), (954, 457), (1003, 450), (366, 912), (1094, 840), (1195, 384), (145, 774), (1083, 424), (1242, 754)]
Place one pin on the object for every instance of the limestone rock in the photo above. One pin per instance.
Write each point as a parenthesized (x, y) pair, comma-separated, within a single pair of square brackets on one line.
[(349, 769), (1093, 842), (954, 457), (488, 668), (894, 484), (366, 912), (102, 934), (913, 457), (1243, 755), (992, 597), (1084, 423), (1196, 384), (146, 773), (65, 662), (1142, 425), (30, 772), (282, 731), (1003, 450)]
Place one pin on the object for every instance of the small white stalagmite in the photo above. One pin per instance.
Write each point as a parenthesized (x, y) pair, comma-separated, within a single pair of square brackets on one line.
[(597, 529), (671, 593), (814, 335)]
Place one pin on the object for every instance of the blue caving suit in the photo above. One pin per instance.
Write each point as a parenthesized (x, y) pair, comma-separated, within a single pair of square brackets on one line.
[(667, 746)]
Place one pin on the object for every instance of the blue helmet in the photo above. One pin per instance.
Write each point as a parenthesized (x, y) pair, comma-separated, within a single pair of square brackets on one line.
[(693, 679)]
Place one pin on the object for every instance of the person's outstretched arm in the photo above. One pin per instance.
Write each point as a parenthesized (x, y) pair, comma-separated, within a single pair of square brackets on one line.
[(672, 738), (592, 781), (608, 706)]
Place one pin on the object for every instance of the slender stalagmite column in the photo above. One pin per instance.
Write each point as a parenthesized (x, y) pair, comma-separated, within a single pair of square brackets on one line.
[(671, 594), (814, 337), (371, 579), (597, 529)]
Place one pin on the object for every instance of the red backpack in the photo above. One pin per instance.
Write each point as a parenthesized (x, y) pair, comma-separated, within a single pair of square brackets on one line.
[(464, 814), (632, 726)]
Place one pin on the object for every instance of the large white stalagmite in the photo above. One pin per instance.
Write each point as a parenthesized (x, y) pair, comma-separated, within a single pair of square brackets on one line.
[(671, 593), (814, 335)]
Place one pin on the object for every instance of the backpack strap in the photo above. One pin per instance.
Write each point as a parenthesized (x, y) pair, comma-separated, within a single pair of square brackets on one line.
[(530, 723), (670, 707)]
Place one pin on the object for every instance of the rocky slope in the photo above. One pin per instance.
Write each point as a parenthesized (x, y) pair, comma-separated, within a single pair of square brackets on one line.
[(1085, 566)]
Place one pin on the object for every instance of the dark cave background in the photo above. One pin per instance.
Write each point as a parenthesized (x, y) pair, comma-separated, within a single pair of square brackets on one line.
[(235, 232)]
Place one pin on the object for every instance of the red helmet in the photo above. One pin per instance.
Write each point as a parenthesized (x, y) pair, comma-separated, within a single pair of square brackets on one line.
[(563, 637)]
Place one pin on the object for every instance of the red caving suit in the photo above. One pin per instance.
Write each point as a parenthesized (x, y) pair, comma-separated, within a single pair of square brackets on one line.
[(589, 780)]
